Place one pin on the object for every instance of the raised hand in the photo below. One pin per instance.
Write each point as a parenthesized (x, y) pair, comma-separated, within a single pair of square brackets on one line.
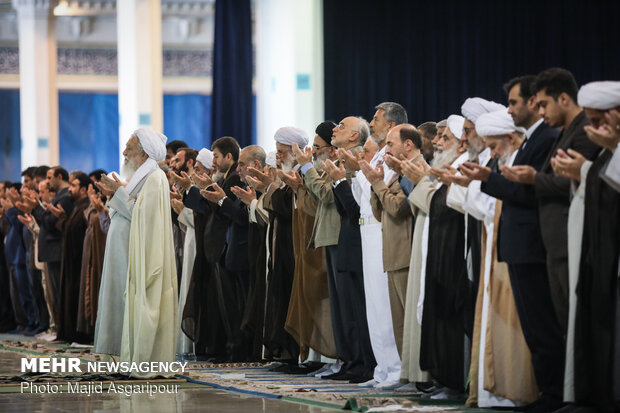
[(415, 171), (26, 219), (302, 157), (263, 176), (608, 135), (335, 172), (350, 160), (183, 180), (245, 195), (372, 174), (393, 163), (215, 195), (177, 205), (524, 174), (57, 211), (112, 184), (201, 181), (292, 179), (568, 164)]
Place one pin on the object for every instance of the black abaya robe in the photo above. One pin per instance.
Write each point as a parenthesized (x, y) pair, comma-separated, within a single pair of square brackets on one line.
[(443, 333), (281, 272), (253, 321), (595, 323), (73, 232)]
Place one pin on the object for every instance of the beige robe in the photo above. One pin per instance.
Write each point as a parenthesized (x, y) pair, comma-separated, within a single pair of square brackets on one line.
[(419, 201), (150, 319), (508, 371)]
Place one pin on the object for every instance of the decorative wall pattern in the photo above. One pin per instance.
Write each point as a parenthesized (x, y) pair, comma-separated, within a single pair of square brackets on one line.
[(103, 62)]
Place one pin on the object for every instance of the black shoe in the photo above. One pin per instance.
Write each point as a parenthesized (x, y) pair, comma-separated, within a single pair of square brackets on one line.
[(336, 376), (304, 369), (361, 379), (547, 405)]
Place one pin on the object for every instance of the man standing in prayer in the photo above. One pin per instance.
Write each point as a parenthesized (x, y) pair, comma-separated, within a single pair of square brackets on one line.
[(556, 93), (519, 241), (376, 290), (73, 228), (309, 318), (443, 319), (150, 316), (389, 205)]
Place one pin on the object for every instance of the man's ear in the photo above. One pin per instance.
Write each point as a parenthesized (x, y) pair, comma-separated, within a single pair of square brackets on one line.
[(532, 102)]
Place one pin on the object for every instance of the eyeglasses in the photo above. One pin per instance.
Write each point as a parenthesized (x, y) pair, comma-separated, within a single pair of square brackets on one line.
[(341, 126)]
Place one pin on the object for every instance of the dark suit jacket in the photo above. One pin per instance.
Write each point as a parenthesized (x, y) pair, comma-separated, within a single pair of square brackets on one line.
[(519, 239), (349, 256), (50, 238), (553, 192), (226, 231)]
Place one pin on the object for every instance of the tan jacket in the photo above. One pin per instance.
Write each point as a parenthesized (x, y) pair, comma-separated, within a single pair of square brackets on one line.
[(326, 220), (390, 206)]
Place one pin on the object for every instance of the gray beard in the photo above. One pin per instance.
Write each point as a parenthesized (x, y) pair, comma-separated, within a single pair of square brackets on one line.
[(287, 165), (128, 168), (376, 140), (446, 157), (318, 162), (503, 160), (217, 176)]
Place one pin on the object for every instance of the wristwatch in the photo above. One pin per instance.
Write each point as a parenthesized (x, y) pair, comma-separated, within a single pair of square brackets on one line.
[(335, 184), (221, 200)]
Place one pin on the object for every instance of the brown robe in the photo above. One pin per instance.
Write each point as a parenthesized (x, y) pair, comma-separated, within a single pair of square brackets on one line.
[(309, 318), (90, 279), (509, 372)]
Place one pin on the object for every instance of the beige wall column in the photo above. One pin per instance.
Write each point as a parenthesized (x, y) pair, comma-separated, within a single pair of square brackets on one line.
[(38, 94), (140, 99)]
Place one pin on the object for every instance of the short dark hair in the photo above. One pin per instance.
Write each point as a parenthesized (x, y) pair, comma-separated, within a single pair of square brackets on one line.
[(97, 174), (394, 112), (227, 145), (189, 153), (429, 129), (175, 145), (526, 84), (29, 172), (83, 179), (41, 171), (556, 81), (16, 185), (59, 170), (410, 133)]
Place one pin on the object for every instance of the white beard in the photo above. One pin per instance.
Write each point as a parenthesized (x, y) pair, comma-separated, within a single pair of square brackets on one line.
[(445, 157), (318, 162), (474, 148), (287, 164), (128, 168), (503, 160)]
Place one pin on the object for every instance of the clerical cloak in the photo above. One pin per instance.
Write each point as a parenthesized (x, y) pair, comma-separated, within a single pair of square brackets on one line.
[(73, 232), (151, 297)]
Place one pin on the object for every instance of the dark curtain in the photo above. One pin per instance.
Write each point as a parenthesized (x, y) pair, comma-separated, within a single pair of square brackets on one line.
[(431, 56), (232, 71)]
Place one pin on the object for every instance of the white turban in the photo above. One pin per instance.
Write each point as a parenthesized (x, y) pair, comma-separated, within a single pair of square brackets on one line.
[(599, 95), (271, 159), (289, 134), (153, 143), (205, 157), (496, 123), (474, 107), (455, 124)]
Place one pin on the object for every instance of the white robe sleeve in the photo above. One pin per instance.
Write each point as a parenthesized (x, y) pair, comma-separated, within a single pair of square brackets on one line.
[(611, 175), (478, 204), (122, 203), (456, 197)]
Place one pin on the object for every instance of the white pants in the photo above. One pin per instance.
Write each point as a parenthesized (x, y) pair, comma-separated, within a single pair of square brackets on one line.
[(378, 311)]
